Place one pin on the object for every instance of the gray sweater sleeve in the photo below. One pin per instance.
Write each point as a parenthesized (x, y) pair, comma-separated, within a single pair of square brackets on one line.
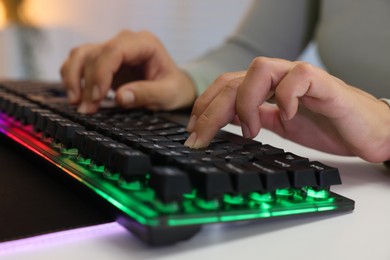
[(272, 28)]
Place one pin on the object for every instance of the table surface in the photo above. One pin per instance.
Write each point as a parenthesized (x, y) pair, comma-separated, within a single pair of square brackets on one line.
[(361, 234)]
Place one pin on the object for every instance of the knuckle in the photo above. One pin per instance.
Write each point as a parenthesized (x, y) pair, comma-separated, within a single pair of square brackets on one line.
[(110, 47), (75, 52), (84, 52), (232, 85), (305, 69), (260, 63), (79, 51), (224, 78), (148, 35), (124, 33)]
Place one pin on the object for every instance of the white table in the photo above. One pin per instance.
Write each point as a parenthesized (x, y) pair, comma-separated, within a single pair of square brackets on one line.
[(362, 234)]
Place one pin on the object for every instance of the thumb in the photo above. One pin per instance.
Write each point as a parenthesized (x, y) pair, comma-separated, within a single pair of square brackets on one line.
[(137, 94)]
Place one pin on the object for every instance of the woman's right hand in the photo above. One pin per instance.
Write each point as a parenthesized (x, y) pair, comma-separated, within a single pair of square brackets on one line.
[(313, 108), (136, 65)]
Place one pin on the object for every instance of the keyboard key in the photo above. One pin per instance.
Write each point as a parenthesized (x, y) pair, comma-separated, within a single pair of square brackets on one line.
[(80, 139), (130, 164), (91, 145), (51, 125), (210, 182), (272, 177), (65, 132), (299, 175), (165, 156), (105, 149), (169, 183), (326, 175), (243, 179)]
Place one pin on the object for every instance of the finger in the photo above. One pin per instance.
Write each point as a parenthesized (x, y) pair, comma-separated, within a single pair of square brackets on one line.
[(127, 48), (310, 86), (270, 117), (204, 100), (218, 113), (88, 107), (147, 94), (263, 75), (88, 104), (72, 71)]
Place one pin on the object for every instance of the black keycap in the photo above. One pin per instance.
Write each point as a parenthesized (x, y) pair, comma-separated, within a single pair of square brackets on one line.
[(41, 119), (232, 157), (143, 133), (272, 177), (135, 141), (165, 156), (299, 175), (265, 149), (326, 175), (23, 111), (131, 164), (209, 159), (91, 144), (212, 151), (171, 131), (181, 138), (104, 151), (169, 183), (210, 182), (189, 152), (171, 145), (244, 180), (51, 125), (65, 132), (117, 134), (235, 139), (80, 138), (33, 114), (185, 163), (229, 147), (287, 158), (157, 139), (251, 153)]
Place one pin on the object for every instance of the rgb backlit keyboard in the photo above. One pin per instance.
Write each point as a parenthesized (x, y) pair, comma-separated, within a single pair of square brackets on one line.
[(134, 161)]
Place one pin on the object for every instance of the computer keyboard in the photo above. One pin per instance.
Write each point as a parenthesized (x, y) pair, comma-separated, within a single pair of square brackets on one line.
[(134, 163)]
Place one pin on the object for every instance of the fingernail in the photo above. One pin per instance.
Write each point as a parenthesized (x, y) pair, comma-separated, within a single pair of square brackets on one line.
[(191, 123), (128, 98), (95, 93), (191, 140), (245, 130), (83, 108)]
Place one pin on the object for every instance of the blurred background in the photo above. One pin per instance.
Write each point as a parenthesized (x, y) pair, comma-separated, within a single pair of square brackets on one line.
[(37, 35)]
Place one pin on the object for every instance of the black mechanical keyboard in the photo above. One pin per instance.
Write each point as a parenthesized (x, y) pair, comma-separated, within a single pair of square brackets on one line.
[(135, 164)]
